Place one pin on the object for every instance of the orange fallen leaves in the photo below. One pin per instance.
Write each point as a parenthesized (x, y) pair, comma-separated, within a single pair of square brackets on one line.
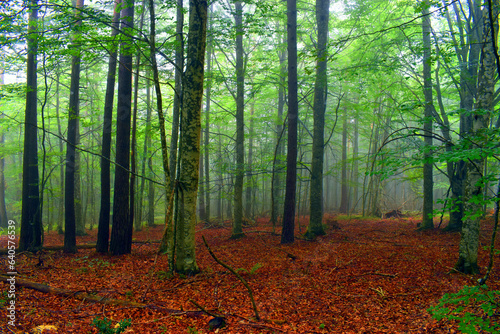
[(368, 276)]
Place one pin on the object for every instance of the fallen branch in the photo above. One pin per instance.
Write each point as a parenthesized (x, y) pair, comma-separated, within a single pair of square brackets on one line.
[(237, 275), (90, 297), (205, 310), (68, 293), (379, 274)]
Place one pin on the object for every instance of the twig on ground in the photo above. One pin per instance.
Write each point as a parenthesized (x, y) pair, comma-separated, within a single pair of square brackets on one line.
[(250, 293)]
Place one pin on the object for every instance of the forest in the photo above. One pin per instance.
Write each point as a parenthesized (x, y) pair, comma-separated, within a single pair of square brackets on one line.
[(314, 166)]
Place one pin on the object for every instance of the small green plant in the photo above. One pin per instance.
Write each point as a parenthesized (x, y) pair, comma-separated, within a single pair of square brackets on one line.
[(162, 275), (4, 298), (322, 326), (474, 308), (192, 330), (252, 271), (104, 325)]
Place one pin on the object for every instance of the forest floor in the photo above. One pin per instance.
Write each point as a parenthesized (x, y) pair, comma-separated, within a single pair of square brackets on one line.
[(368, 276)]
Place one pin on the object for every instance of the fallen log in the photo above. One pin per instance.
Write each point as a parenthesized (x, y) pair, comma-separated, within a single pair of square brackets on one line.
[(68, 293)]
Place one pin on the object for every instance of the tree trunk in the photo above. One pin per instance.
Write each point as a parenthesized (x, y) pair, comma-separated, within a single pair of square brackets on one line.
[(72, 141), (3, 208), (121, 232), (250, 182), (147, 144), (344, 200), (429, 111), (287, 233), (237, 231), (315, 227), (208, 93), (133, 151), (79, 216), (473, 192), (277, 184), (468, 59), (31, 217), (179, 68), (103, 227), (355, 178), (190, 136), (201, 187)]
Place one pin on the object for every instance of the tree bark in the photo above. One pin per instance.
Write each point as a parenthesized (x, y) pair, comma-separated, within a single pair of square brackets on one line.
[(121, 232), (279, 151), (315, 227), (237, 231), (190, 136), (31, 217), (103, 227), (72, 141), (287, 233), (429, 111), (344, 200), (473, 192), (179, 68), (208, 92)]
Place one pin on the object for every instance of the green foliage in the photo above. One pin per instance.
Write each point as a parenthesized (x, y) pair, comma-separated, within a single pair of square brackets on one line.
[(192, 330), (98, 263), (104, 325), (4, 299), (252, 271), (475, 309)]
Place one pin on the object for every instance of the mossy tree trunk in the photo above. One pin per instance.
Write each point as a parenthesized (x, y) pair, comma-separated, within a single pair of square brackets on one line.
[(190, 137), (474, 183)]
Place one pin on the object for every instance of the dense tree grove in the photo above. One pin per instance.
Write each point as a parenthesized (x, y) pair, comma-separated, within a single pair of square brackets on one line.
[(243, 109)]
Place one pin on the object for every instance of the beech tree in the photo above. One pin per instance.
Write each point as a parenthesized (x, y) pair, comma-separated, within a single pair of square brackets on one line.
[(72, 141), (31, 216), (315, 227), (287, 233), (429, 111), (478, 140), (240, 132), (190, 136), (103, 227), (121, 232)]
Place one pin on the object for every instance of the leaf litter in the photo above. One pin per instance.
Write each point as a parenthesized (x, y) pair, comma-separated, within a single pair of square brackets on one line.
[(368, 276)]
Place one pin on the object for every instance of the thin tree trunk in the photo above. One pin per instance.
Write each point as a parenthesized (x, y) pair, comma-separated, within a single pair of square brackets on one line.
[(237, 231), (72, 141), (429, 111), (287, 233), (250, 182), (279, 152), (147, 144), (133, 151), (179, 68), (344, 204), (103, 227), (208, 92)]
